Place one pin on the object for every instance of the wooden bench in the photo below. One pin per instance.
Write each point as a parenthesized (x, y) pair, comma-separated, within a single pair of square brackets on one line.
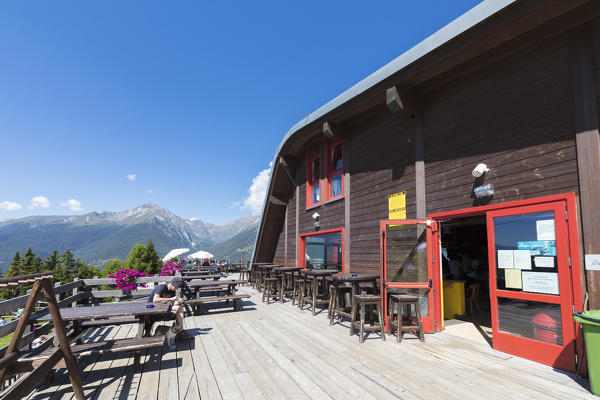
[(132, 345), (237, 305), (97, 323)]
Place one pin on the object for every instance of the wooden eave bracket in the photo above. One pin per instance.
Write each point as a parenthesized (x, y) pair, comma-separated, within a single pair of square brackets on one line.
[(333, 130), (277, 200), (403, 100)]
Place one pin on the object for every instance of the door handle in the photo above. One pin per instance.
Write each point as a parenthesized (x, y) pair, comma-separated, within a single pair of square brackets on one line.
[(429, 286)]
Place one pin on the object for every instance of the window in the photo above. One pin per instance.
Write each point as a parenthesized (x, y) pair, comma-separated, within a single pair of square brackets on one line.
[(335, 171), (313, 176), (322, 250)]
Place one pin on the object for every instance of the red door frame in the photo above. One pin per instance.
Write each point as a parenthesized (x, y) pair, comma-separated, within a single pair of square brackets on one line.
[(431, 321), (569, 201), (302, 245)]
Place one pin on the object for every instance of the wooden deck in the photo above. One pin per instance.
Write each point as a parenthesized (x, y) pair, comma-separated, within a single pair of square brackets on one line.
[(279, 352)]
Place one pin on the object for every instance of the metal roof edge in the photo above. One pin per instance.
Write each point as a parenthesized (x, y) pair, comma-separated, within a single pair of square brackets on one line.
[(468, 20)]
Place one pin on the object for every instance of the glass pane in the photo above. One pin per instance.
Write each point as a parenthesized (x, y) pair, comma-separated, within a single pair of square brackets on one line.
[(316, 193), (323, 251), (406, 253), (526, 253), (421, 293), (336, 185), (530, 319), (315, 171), (336, 158)]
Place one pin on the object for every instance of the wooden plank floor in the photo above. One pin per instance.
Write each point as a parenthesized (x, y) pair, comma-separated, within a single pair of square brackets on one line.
[(279, 352)]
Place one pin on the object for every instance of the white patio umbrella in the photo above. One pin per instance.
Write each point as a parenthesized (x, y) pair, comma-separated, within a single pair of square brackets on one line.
[(201, 255), (175, 253)]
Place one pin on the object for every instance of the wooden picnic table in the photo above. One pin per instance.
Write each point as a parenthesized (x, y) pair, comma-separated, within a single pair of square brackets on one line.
[(317, 274), (355, 280), (205, 271), (216, 287), (215, 277)]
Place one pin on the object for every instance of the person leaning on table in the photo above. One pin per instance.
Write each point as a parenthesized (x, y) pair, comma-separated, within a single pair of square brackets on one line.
[(165, 292)]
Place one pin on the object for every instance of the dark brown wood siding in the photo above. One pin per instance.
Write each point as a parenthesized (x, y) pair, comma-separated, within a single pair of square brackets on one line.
[(516, 116), (291, 215), (381, 163)]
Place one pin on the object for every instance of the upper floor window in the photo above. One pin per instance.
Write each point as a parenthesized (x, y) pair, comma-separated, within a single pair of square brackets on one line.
[(313, 176), (335, 171)]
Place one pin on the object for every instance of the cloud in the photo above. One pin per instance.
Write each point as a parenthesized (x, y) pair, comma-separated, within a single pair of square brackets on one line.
[(72, 204), (39, 202), (150, 191), (131, 177), (10, 206), (256, 193)]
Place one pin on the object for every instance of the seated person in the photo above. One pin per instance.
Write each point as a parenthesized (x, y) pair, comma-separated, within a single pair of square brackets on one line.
[(165, 292)]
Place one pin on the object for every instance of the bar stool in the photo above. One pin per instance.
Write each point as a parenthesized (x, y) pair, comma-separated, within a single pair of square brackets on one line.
[(244, 274), (362, 301), (299, 287), (305, 290), (411, 301), (271, 288), (337, 303)]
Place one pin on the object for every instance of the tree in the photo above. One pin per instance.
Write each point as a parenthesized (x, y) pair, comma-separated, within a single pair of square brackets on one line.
[(51, 262), (14, 269), (143, 258), (111, 267)]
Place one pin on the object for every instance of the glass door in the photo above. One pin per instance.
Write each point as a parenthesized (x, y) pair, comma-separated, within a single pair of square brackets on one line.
[(530, 283), (407, 259)]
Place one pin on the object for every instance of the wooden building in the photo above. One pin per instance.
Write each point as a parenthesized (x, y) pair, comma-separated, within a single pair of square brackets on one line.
[(510, 84)]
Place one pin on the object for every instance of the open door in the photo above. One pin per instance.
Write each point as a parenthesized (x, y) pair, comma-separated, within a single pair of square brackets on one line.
[(531, 292), (407, 254)]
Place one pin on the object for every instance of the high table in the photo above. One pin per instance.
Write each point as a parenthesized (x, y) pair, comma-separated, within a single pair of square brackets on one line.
[(284, 272), (317, 274), (355, 280), (263, 270)]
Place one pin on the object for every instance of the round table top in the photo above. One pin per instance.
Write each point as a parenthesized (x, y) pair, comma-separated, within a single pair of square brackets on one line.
[(286, 269), (355, 277), (266, 266), (320, 272)]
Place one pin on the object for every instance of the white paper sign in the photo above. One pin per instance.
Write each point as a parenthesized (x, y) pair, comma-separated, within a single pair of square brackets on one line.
[(505, 259), (540, 282), (522, 259), (543, 262), (545, 229), (592, 262)]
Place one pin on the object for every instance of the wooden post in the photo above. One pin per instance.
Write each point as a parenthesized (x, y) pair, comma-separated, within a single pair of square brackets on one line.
[(75, 291), (587, 138), (297, 221), (285, 237), (61, 334), (347, 241), (420, 167)]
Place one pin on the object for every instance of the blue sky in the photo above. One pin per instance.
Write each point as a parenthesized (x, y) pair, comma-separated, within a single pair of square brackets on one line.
[(190, 97)]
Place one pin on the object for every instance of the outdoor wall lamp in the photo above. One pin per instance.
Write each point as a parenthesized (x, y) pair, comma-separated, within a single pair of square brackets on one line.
[(316, 222), (480, 169)]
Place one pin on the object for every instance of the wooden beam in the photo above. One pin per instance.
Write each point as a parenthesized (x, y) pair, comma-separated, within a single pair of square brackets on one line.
[(587, 138), (402, 100), (277, 200), (297, 221), (347, 241), (285, 238), (420, 169), (289, 162), (329, 129)]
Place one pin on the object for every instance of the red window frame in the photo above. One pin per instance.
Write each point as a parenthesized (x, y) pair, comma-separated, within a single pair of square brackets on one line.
[(331, 173), (302, 245), (310, 186)]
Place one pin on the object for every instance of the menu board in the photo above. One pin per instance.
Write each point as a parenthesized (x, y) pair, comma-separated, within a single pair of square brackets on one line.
[(540, 282)]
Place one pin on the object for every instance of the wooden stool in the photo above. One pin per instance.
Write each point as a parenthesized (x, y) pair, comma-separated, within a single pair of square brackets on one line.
[(336, 302), (271, 289), (299, 285), (401, 300), (305, 290), (362, 301), (244, 274)]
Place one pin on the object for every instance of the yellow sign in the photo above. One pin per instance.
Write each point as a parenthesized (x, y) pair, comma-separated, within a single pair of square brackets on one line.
[(397, 205)]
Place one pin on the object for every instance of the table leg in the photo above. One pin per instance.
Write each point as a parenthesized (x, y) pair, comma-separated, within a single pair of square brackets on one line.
[(314, 293), (141, 326), (281, 288)]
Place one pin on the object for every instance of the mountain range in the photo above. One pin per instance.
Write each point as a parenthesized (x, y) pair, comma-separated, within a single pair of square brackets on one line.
[(98, 237)]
